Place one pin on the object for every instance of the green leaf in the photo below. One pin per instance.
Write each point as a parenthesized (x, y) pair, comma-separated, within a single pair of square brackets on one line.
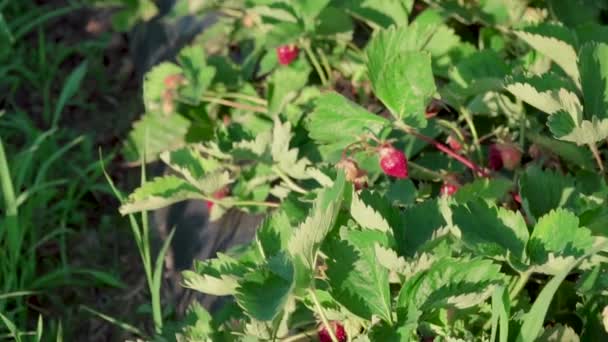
[(308, 10), (558, 235), (555, 42), (494, 232), (310, 234), (189, 163), (199, 324), (542, 191), (273, 234), (155, 133), (421, 221), (158, 193), (198, 74), (585, 133), (482, 70), (488, 189), (332, 21), (337, 122), (402, 79), (401, 192), (541, 91), (373, 212), (382, 12), (284, 85), (287, 159), (154, 85), (218, 276), (559, 333), (593, 65), (263, 293), (575, 12), (356, 278), (451, 282), (568, 151), (534, 319)]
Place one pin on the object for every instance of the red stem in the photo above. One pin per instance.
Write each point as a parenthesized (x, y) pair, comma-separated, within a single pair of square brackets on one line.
[(451, 153)]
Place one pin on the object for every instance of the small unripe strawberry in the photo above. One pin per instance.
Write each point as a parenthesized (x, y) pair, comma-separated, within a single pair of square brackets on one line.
[(353, 173), (448, 189), (433, 108), (454, 143), (339, 332), (494, 158), (219, 194), (287, 53), (393, 162), (535, 151), (510, 155), (174, 81)]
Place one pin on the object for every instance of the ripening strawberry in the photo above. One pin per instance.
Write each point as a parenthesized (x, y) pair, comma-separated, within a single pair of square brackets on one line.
[(448, 189), (173, 81), (339, 332), (494, 158), (393, 162), (353, 173), (219, 194), (517, 198), (510, 155), (287, 53), (454, 143)]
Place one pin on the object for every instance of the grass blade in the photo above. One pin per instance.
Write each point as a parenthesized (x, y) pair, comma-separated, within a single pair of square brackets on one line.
[(534, 319), (71, 86), (156, 282), (125, 326), (11, 328)]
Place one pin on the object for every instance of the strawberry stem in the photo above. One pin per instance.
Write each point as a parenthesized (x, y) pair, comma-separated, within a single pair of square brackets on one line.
[(441, 147), (330, 331), (314, 61), (290, 184), (234, 104), (596, 155)]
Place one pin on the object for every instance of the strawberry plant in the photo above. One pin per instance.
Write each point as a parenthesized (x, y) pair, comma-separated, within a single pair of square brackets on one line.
[(375, 230)]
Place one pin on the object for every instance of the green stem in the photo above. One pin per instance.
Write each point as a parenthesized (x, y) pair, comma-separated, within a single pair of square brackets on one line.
[(315, 62), (293, 186), (325, 62), (238, 96), (596, 155), (422, 169), (521, 282), (303, 335), (234, 104), (469, 120), (330, 331)]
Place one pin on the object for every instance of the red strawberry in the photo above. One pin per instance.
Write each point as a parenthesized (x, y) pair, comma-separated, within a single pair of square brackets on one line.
[(448, 189), (338, 331), (393, 162), (494, 158), (353, 173), (287, 53), (510, 155), (219, 194), (454, 143)]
